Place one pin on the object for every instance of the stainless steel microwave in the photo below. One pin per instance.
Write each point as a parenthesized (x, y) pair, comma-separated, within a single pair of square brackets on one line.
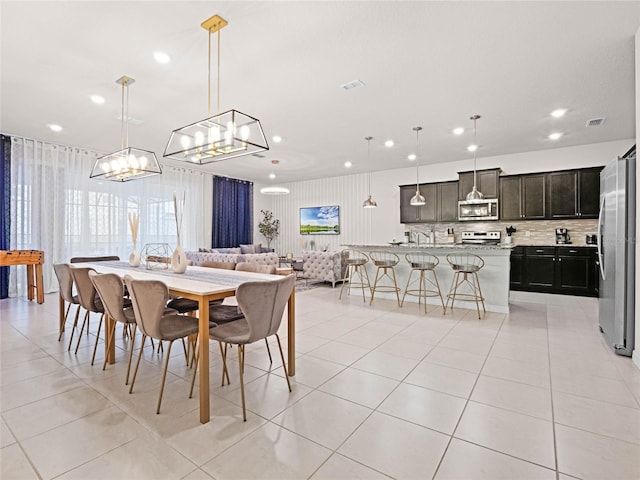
[(485, 209)]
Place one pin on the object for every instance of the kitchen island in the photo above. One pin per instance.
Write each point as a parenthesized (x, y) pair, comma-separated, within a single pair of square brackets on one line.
[(494, 276)]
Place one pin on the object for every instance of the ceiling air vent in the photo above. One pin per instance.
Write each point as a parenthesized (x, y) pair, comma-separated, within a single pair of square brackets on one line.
[(352, 85), (595, 122)]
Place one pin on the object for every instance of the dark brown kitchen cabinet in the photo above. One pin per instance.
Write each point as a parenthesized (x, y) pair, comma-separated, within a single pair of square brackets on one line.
[(539, 266), (522, 197), (487, 182), (574, 193), (516, 274), (550, 269), (418, 214), (447, 201), (441, 206)]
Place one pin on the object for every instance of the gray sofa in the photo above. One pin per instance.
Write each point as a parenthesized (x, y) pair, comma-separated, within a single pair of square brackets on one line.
[(197, 258)]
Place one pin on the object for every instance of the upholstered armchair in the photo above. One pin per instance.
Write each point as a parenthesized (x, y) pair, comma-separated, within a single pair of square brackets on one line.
[(325, 266)]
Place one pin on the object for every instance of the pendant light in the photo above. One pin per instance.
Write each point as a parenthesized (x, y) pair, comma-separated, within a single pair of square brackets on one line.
[(474, 194), (128, 163), (369, 202), (220, 137), (418, 199)]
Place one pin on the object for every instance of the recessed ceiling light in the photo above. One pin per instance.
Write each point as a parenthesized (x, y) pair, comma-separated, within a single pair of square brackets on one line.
[(558, 112), (54, 128), (458, 131), (555, 135), (97, 99), (272, 176), (276, 138), (472, 148), (411, 156), (388, 143), (348, 164), (161, 57)]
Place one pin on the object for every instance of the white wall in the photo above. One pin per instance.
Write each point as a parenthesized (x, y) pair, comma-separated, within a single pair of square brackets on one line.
[(381, 224), (636, 352)]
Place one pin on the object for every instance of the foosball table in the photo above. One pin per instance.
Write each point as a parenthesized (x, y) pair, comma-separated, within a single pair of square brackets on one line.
[(33, 259)]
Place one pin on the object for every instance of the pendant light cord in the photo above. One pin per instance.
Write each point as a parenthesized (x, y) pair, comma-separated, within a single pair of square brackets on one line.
[(475, 142), (209, 77), (369, 161), (417, 129)]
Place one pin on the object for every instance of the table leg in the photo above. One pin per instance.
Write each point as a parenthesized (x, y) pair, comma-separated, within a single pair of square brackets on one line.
[(291, 333), (39, 284), (61, 316), (203, 354), (110, 350), (30, 285)]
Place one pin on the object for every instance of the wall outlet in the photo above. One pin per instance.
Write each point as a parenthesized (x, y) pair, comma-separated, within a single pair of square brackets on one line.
[(527, 233)]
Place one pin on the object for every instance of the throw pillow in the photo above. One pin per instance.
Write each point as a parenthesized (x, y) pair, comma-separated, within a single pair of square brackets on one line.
[(234, 250), (247, 249)]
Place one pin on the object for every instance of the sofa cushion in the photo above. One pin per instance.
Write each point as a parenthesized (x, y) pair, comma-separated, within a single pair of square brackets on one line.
[(253, 248)]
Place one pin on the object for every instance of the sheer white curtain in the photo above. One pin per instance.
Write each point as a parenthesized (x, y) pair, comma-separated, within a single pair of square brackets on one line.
[(56, 208)]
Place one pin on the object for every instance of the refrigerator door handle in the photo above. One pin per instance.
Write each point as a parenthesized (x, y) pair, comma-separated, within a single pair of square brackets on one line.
[(600, 246)]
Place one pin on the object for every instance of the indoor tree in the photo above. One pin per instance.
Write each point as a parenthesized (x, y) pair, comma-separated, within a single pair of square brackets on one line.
[(269, 227)]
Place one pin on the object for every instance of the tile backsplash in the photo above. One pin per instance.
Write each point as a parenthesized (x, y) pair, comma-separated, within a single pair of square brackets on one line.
[(532, 232)]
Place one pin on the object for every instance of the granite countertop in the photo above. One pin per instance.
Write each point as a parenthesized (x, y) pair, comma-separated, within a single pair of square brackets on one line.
[(569, 245), (456, 246)]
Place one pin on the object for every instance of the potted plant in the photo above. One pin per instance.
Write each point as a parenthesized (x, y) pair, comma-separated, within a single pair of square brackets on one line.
[(269, 227)]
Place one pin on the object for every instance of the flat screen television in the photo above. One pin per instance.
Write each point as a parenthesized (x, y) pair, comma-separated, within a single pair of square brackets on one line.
[(320, 220)]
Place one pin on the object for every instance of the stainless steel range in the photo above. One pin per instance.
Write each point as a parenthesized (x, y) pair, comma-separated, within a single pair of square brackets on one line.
[(481, 238)]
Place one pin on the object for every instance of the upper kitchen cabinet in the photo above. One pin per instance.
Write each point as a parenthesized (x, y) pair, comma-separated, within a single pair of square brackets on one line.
[(522, 197), (447, 207), (487, 183), (442, 203), (574, 193), (421, 214)]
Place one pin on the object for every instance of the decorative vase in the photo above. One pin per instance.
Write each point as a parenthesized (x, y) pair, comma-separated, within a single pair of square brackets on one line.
[(134, 258), (179, 260)]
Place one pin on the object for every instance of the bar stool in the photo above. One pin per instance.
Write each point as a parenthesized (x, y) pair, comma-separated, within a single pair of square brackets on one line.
[(355, 261), (466, 265), (423, 263), (383, 262)]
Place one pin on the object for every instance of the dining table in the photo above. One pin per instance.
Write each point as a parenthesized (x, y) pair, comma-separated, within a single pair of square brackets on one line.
[(202, 284)]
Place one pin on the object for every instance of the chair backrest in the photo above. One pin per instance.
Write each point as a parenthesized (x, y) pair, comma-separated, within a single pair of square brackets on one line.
[(108, 258), (263, 303), (86, 291), (421, 260), (222, 265), (255, 268), (63, 272), (465, 262), (354, 257), (384, 259), (111, 291), (149, 298)]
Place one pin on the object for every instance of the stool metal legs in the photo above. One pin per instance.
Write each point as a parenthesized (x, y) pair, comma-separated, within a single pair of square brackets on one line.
[(422, 291), (350, 273), (474, 286), (385, 288)]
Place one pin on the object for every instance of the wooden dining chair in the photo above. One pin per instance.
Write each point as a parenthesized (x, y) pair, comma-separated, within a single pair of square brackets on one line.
[(262, 304), (65, 280), (149, 298)]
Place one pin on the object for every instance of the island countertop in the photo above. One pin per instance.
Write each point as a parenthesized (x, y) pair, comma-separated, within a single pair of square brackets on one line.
[(494, 276), (404, 248)]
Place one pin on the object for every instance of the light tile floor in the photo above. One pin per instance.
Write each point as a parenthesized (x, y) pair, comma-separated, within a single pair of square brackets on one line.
[(380, 392)]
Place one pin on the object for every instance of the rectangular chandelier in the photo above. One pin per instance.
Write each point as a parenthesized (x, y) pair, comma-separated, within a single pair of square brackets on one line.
[(127, 164), (227, 135)]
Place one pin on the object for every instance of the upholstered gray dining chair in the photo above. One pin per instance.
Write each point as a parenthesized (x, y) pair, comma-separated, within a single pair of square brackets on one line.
[(149, 298), (262, 305), (111, 291), (65, 280), (90, 301)]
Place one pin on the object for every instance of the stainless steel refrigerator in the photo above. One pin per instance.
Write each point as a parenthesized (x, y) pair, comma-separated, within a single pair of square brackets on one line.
[(616, 253)]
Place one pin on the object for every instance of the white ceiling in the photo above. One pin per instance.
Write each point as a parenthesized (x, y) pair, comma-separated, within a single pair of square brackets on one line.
[(424, 63)]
